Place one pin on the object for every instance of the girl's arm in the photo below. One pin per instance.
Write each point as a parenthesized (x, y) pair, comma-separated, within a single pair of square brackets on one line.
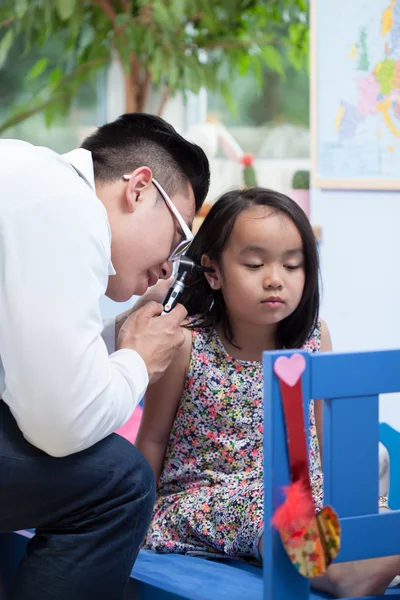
[(160, 405), (326, 346)]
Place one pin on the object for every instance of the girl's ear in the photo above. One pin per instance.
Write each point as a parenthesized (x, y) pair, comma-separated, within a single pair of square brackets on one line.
[(214, 279)]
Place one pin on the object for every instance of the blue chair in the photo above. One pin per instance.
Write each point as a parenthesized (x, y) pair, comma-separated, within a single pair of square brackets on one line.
[(351, 383)]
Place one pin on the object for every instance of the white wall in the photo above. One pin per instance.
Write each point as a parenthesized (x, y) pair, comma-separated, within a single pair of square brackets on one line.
[(360, 253)]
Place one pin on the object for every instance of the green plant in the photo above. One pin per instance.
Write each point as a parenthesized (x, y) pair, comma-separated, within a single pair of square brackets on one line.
[(249, 173), (301, 180), (165, 44)]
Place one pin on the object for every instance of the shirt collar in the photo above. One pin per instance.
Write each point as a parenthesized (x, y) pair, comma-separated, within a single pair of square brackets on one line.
[(82, 162)]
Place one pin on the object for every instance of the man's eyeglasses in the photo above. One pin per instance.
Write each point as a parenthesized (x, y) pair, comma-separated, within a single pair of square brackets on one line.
[(184, 244)]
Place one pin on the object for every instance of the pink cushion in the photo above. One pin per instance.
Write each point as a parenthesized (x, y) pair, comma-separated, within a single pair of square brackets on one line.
[(131, 427)]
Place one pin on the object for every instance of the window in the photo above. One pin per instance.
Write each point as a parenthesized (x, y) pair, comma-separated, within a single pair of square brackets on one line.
[(18, 87), (271, 122)]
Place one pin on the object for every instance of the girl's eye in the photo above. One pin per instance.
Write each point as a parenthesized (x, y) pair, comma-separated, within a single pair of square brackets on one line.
[(253, 266), (293, 267)]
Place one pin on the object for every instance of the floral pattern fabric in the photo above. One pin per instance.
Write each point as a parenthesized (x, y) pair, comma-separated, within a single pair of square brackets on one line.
[(210, 493)]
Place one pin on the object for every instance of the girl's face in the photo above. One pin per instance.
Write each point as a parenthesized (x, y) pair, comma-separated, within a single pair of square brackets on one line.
[(261, 274)]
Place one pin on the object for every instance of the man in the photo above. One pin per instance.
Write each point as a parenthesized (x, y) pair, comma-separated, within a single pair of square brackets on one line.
[(107, 218)]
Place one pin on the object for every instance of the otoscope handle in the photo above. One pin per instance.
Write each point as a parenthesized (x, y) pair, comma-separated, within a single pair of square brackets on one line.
[(172, 296)]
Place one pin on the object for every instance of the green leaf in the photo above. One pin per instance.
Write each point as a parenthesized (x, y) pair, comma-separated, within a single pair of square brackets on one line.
[(258, 71), (172, 74), (87, 35), (65, 8), (228, 97), (50, 113), (193, 75), (122, 19), (148, 43), (20, 7), (5, 45), (178, 7), (62, 107), (161, 14), (156, 66), (272, 59), (38, 68), (135, 39), (76, 23), (243, 63), (55, 76), (296, 58), (124, 54)]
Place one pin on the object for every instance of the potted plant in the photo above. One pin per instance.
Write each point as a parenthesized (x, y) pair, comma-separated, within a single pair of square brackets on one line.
[(300, 192)]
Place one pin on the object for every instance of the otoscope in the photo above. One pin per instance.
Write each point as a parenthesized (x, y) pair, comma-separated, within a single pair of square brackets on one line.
[(186, 268)]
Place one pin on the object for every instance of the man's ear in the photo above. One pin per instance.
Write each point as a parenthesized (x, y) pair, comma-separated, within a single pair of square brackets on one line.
[(139, 182), (214, 279)]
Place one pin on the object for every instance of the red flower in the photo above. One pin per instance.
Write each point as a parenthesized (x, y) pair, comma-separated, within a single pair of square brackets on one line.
[(211, 436), (247, 160)]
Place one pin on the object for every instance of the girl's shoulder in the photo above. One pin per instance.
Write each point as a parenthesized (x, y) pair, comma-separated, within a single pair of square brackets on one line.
[(320, 338), (205, 343), (313, 344), (199, 333)]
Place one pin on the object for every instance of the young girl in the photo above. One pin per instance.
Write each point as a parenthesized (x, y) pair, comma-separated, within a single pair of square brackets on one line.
[(202, 425)]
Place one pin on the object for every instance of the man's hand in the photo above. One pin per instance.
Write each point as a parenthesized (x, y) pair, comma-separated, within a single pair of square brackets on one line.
[(156, 338), (156, 293)]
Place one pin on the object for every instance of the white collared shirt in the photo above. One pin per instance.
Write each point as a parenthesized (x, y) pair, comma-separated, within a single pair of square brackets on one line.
[(64, 389)]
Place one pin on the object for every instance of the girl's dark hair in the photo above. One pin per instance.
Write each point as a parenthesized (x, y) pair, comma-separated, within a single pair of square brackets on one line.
[(212, 238)]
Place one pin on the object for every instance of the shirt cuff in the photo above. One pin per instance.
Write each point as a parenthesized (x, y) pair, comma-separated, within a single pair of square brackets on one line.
[(108, 334)]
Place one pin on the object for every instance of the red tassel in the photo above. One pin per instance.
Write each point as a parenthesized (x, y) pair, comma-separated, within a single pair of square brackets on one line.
[(296, 511)]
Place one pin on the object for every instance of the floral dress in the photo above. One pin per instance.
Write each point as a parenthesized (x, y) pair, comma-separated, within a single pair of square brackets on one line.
[(210, 493)]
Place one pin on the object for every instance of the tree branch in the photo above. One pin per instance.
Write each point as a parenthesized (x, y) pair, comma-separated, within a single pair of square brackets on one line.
[(143, 93), (131, 79), (237, 44), (107, 8), (126, 6), (164, 100), (55, 96), (196, 17), (8, 21), (25, 114), (96, 62)]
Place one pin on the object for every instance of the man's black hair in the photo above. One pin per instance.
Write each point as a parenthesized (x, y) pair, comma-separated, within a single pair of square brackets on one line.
[(139, 139)]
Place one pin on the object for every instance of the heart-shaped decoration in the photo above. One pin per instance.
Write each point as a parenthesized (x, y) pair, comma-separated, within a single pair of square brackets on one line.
[(290, 369)]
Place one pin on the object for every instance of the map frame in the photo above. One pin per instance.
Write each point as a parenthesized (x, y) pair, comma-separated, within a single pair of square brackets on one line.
[(333, 182)]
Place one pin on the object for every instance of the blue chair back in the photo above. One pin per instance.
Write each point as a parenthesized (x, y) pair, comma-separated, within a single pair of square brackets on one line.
[(349, 384)]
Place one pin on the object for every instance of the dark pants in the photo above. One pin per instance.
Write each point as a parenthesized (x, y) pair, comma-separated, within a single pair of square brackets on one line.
[(91, 511)]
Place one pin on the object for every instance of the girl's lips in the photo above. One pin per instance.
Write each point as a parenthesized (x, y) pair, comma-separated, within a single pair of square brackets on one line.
[(273, 300)]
